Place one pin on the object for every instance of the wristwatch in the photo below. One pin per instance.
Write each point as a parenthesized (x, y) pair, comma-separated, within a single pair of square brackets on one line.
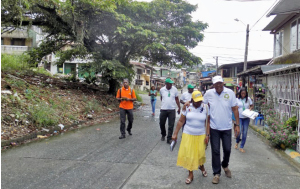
[(236, 124)]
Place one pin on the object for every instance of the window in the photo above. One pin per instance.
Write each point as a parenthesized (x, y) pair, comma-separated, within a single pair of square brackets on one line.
[(139, 82), (18, 41), (293, 36), (278, 44), (139, 71), (299, 33), (2, 41)]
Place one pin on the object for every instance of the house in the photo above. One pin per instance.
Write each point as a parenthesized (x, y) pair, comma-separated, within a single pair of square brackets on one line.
[(68, 67), (229, 72), (142, 75), (19, 40), (278, 81), (283, 83), (285, 28)]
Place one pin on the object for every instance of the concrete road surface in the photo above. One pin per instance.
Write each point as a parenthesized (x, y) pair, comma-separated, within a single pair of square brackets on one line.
[(95, 159)]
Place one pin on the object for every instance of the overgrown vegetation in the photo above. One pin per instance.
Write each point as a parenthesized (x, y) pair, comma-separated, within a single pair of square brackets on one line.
[(281, 131), (19, 63), (32, 105), (14, 62)]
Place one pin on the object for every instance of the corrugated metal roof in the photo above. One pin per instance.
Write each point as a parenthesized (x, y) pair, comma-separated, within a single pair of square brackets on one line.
[(249, 63), (281, 67), (261, 69)]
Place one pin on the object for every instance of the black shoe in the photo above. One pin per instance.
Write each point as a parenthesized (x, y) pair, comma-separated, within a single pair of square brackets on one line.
[(162, 138), (122, 136), (129, 132), (169, 141)]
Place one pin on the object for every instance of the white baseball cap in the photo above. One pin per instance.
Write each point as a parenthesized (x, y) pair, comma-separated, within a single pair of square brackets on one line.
[(217, 79)]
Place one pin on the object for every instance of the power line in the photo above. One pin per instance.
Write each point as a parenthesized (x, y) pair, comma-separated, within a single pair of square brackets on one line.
[(263, 15), (201, 54), (230, 32), (232, 48)]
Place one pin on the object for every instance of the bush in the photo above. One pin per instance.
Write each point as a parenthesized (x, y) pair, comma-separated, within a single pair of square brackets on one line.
[(282, 135), (14, 62), (291, 122), (138, 97), (42, 115), (42, 71)]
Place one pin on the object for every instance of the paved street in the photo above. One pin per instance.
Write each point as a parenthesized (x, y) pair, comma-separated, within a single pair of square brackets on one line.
[(91, 158)]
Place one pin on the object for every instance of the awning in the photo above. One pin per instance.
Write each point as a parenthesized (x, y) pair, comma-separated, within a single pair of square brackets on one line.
[(283, 68), (277, 23), (267, 69), (252, 71), (285, 7)]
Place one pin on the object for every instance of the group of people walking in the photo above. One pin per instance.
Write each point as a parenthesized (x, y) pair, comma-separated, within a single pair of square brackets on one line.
[(203, 119)]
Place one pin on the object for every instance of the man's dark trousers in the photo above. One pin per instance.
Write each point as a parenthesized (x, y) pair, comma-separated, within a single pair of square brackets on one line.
[(215, 137), (164, 115), (123, 113)]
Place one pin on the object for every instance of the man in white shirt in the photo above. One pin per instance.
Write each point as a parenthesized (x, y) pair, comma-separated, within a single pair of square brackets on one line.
[(222, 102), (186, 96), (169, 99)]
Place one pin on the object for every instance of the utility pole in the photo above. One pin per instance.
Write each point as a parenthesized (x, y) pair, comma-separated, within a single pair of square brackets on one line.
[(246, 48), (217, 67)]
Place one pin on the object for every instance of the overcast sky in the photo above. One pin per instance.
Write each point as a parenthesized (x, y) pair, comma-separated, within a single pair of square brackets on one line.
[(225, 37)]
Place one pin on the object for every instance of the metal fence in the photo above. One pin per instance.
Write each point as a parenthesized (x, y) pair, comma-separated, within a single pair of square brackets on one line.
[(284, 85)]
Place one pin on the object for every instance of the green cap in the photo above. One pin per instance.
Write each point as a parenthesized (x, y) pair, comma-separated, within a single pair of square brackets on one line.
[(190, 86), (168, 80)]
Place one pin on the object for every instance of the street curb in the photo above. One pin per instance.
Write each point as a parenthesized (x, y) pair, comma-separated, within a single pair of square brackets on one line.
[(33, 136), (293, 154)]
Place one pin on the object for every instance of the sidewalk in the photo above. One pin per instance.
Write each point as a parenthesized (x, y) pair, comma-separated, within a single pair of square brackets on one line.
[(292, 155)]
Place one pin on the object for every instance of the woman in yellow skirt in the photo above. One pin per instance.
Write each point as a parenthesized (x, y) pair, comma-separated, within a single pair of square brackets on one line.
[(195, 136)]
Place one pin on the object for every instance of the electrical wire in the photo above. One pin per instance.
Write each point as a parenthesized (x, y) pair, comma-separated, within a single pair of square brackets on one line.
[(232, 48), (263, 15)]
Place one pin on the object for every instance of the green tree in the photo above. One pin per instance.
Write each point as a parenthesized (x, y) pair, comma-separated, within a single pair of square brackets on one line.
[(110, 32)]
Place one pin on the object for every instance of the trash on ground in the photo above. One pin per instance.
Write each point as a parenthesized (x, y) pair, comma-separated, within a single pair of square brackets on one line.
[(6, 92), (61, 126), (47, 130), (41, 136)]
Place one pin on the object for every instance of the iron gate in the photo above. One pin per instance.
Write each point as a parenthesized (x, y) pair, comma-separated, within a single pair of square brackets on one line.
[(284, 85)]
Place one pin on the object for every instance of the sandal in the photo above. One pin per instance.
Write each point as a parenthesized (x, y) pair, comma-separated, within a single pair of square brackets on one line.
[(204, 173), (188, 180), (236, 145), (242, 150)]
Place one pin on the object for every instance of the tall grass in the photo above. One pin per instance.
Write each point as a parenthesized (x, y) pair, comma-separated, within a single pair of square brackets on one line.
[(14, 62), (42, 115)]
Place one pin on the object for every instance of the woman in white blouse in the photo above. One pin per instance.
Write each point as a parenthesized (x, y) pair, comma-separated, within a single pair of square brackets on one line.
[(244, 102), (195, 136)]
